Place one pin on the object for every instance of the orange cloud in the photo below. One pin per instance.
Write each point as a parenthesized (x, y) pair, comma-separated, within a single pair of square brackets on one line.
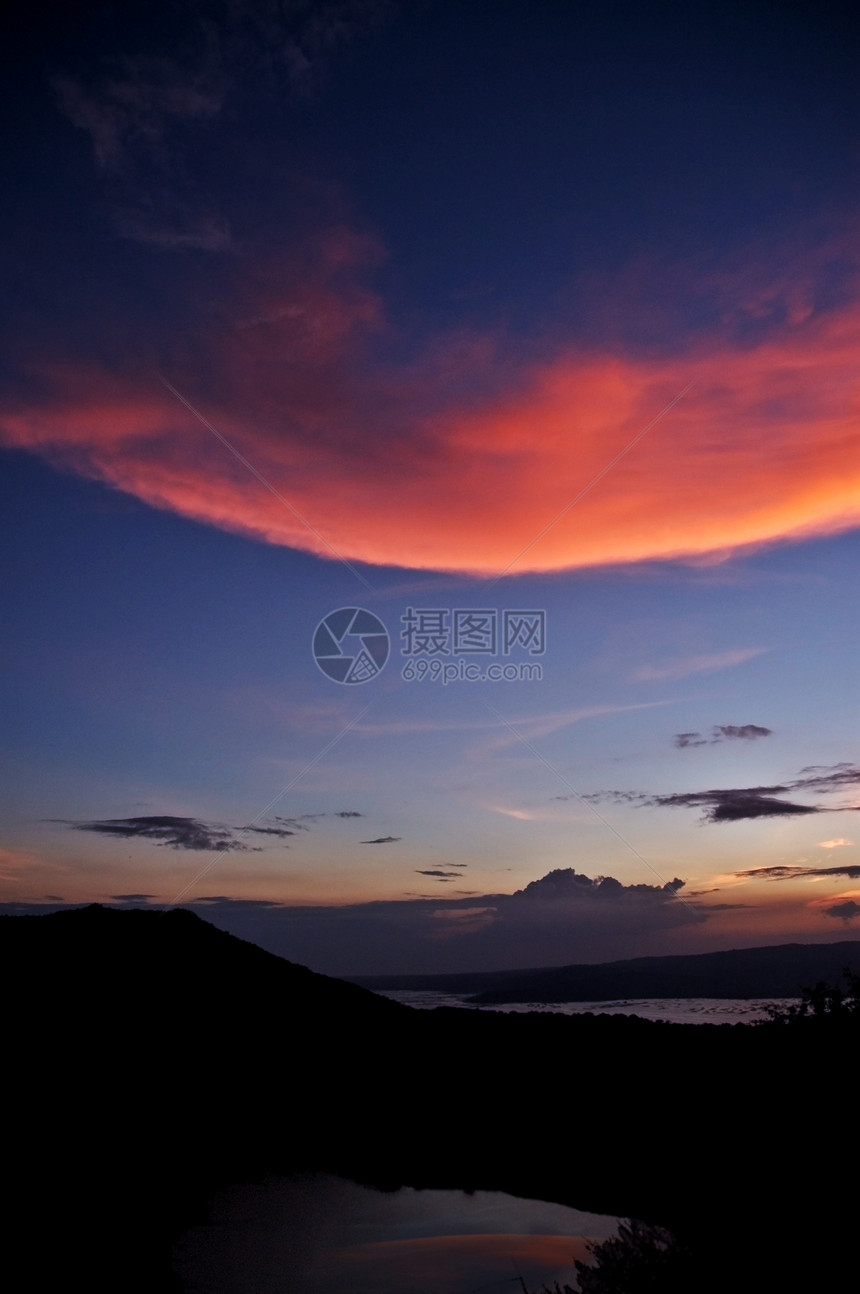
[(457, 461)]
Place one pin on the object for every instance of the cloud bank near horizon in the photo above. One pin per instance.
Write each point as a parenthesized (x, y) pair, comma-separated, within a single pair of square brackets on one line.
[(563, 916)]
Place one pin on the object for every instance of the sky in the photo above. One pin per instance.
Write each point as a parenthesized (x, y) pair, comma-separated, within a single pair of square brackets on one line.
[(430, 474)]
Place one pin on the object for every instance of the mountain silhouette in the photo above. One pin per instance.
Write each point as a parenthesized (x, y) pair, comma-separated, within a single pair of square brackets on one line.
[(153, 1057)]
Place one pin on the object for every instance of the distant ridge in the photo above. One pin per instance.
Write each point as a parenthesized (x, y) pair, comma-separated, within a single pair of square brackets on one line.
[(780, 971)]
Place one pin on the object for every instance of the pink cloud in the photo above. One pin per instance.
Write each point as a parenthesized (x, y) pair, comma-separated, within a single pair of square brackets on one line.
[(456, 460)]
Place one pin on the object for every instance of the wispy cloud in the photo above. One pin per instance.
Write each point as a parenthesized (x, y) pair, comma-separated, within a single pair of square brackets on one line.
[(793, 872), (521, 815), (534, 725), (174, 229), (683, 666), (143, 112), (542, 725)]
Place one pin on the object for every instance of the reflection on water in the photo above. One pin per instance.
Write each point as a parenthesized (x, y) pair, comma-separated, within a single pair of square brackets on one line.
[(316, 1234)]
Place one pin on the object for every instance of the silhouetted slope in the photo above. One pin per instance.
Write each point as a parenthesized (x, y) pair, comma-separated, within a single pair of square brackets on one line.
[(780, 971), (152, 1058)]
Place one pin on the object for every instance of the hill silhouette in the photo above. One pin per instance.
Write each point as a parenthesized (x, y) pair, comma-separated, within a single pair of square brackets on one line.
[(152, 1059), (778, 971)]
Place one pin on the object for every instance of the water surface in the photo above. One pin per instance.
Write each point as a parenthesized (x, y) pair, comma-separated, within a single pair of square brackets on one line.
[(682, 1010), (315, 1234)]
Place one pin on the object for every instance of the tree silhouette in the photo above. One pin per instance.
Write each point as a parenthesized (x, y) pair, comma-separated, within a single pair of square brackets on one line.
[(822, 1002)]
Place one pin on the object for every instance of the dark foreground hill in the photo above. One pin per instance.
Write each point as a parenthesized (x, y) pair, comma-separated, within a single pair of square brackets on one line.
[(780, 971), (151, 1059)]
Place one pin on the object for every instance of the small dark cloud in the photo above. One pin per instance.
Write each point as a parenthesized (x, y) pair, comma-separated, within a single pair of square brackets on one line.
[(847, 911), (437, 872), (742, 732), (788, 873), (271, 831), (225, 900), (738, 808), (381, 840), (348, 813), (173, 833), (734, 804), (132, 898), (722, 732)]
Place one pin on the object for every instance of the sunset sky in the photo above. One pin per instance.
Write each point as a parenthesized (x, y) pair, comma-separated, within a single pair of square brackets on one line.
[(530, 328)]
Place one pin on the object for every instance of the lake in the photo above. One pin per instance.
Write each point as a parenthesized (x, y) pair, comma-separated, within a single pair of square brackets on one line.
[(316, 1234), (689, 1010)]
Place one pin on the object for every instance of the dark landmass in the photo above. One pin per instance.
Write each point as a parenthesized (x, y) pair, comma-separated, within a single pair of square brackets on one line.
[(781, 971), (152, 1060)]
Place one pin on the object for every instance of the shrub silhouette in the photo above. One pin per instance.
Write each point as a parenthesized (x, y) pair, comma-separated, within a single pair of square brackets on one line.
[(641, 1259)]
